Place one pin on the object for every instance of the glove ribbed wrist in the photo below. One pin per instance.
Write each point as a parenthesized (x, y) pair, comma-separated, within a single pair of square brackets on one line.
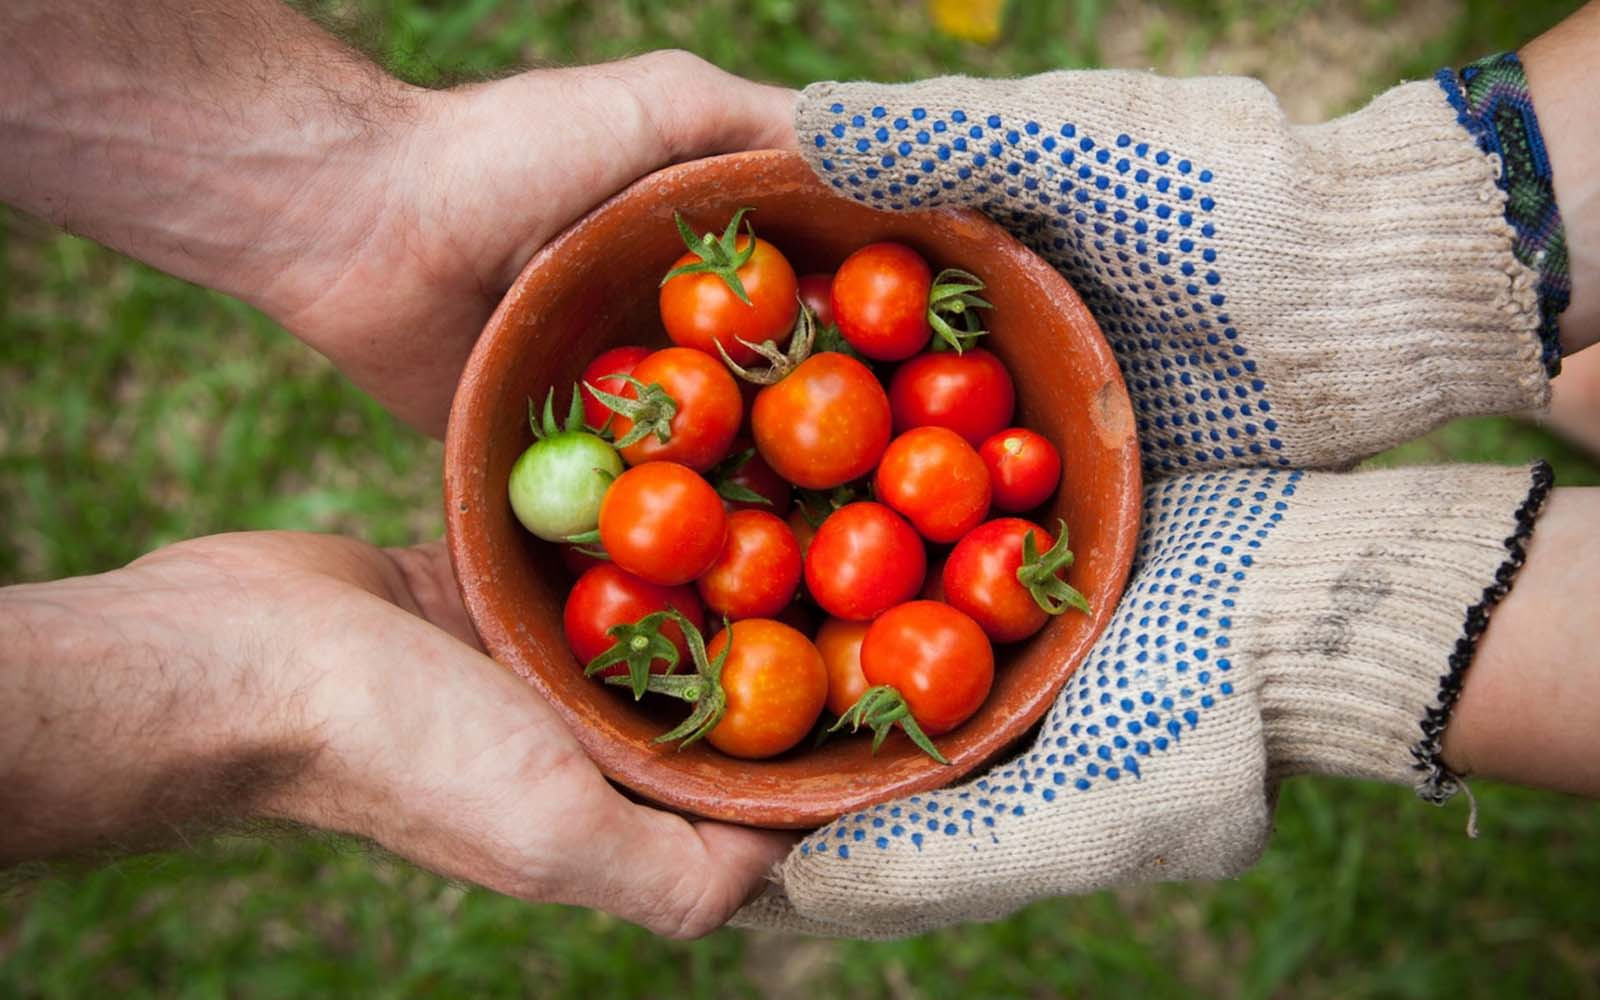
[(1366, 618)]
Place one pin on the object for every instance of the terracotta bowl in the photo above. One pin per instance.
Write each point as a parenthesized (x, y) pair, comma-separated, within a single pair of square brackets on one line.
[(595, 287)]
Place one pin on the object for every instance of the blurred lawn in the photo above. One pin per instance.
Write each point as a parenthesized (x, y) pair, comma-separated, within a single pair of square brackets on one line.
[(135, 410)]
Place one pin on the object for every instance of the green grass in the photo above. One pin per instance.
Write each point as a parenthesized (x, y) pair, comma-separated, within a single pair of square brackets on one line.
[(135, 410)]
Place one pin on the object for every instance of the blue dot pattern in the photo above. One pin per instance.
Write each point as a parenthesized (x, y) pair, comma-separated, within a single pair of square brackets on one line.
[(1131, 224), (1164, 661)]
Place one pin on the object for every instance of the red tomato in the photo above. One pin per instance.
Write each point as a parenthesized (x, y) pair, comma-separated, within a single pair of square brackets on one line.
[(607, 596), (970, 393), (880, 301), (662, 522), (936, 657), (823, 424), (839, 642), (700, 310), (816, 291), (936, 480), (602, 374), (776, 684), (864, 560), (758, 570), (980, 578), (1024, 469), (709, 409)]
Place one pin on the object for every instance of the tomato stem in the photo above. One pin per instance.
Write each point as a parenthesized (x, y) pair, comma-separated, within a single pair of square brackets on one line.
[(1040, 573), (953, 297), (651, 410), (881, 708), (638, 644), (781, 363), (720, 256), (702, 689), (545, 425)]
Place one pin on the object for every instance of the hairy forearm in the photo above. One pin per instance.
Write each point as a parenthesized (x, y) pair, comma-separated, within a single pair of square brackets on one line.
[(123, 724), (219, 141), (1560, 67), (1530, 706)]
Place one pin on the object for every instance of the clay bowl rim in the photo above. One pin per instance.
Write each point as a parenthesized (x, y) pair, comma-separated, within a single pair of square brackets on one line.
[(643, 769)]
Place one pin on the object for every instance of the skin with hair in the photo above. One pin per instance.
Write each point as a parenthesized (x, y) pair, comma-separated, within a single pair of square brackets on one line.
[(323, 681)]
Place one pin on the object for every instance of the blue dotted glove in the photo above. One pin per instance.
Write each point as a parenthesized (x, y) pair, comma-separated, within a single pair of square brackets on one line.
[(1277, 297)]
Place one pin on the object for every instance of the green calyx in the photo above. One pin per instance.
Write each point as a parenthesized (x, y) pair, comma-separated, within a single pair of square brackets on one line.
[(953, 305), (830, 340), (719, 255), (702, 689), (722, 479), (638, 645), (588, 542), (651, 411), (816, 505), (544, 425), (1041, 574), (880, 709), (780, 363)]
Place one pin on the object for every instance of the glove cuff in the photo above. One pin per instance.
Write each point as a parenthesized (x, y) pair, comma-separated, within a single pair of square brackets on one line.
[(1367, 620)]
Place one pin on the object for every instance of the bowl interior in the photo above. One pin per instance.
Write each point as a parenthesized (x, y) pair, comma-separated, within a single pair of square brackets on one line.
[(595, 287)]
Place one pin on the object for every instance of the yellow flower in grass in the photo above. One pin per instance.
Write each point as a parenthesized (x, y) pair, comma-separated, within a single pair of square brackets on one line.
[(969, 20)]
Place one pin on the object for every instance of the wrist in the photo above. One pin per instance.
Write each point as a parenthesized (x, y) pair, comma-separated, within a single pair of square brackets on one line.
[(239, 147), (133, 707)]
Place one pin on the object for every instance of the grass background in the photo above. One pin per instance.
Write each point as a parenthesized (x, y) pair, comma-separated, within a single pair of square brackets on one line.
[(136, 410)]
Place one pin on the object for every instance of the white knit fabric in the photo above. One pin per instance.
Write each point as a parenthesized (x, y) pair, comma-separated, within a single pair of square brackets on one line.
[(1279, 622), (1277, 294), (1278, 297)]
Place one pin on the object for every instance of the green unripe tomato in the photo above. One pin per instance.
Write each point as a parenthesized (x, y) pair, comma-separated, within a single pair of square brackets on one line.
[(557, 484)]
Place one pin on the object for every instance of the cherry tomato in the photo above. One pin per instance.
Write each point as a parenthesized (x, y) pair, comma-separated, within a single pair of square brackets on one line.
[(607, 596), (662, 522), (880, 301), (709, 409), (839, 642), (758, 570), (603, 373), (1024, 469), (700, 310), (816, 291), (755, 475), (970, 393), (936, 480), (823, 424), (936, 657), (980, 578), (863, 560), (557, 485), (776, 684)]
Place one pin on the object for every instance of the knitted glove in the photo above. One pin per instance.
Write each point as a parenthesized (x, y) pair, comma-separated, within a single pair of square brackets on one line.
[(1277, 296), (1279, 622)]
